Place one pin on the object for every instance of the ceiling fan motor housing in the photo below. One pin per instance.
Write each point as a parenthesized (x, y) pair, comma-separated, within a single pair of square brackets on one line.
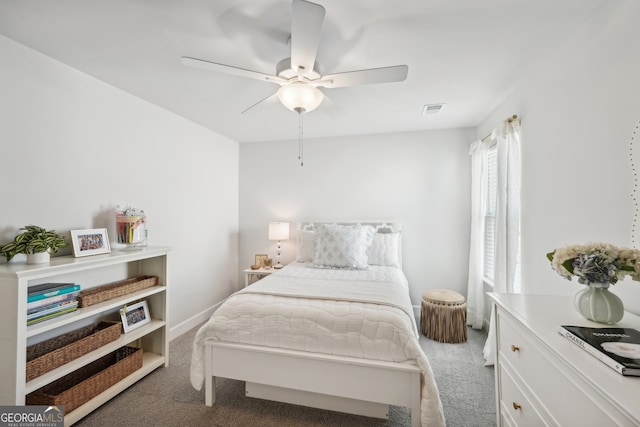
[(284, 70)]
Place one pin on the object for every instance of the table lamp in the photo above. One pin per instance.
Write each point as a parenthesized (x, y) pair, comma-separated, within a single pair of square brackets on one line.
[(278, 231)]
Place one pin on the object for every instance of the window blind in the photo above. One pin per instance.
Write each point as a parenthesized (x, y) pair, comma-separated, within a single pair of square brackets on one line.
[(490, 215)]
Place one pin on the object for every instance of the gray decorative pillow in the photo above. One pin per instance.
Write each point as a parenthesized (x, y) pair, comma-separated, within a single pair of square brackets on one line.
[(342, 246)]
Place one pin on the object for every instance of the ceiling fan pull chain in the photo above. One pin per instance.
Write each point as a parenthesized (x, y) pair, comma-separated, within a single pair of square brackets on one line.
[(300, 138)]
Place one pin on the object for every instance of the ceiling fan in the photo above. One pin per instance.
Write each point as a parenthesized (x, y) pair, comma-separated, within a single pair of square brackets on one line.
[(299, 76)]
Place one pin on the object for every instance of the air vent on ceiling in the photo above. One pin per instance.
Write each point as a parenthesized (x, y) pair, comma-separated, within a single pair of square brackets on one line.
[(429, 109)]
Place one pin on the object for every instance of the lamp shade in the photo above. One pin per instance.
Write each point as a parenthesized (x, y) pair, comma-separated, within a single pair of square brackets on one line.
[(278, 231), (300, 96)]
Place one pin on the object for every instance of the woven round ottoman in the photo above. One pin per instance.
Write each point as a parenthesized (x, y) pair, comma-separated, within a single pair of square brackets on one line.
[(444, 316)]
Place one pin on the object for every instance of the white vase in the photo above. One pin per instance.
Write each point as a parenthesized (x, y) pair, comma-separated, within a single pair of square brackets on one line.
[(38, 258), (595, 302)]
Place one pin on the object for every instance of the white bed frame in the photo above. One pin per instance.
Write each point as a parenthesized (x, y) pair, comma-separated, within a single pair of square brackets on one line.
[(344, 384)]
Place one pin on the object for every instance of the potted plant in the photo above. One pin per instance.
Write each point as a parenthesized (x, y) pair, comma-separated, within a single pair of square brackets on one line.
[(36, 242)]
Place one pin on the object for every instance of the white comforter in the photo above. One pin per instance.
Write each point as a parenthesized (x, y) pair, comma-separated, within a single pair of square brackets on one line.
[(356, 313)]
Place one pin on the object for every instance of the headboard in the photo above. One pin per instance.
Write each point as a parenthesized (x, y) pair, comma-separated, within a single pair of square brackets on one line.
[(382, 226)]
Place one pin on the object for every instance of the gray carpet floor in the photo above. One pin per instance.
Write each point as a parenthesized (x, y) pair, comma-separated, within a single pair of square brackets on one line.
[(166, 398)]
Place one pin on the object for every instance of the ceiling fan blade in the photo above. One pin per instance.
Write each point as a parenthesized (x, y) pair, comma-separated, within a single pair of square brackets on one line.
[(395, 73), (228, 69), (271, 99), (306, 25)]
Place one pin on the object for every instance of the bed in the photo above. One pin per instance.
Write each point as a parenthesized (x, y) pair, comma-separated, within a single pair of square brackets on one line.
[(334, 330)]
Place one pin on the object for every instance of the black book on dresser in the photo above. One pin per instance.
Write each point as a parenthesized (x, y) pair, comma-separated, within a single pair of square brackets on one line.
[(618, 348)]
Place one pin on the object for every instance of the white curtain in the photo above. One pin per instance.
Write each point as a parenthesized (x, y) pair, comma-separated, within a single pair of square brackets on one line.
[(507, 222), (475, 286)]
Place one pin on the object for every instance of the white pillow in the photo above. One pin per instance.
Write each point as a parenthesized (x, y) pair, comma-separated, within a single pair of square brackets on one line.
[(384, 250), (342, 246), (305, 246)]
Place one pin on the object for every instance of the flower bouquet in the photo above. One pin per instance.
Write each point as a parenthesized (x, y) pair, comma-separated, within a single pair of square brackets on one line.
[(596, 263)]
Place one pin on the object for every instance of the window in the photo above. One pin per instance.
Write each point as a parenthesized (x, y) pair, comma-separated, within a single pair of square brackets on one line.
[(491, 198)]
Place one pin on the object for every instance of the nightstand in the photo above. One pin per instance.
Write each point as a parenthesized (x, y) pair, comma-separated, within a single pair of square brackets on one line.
[(251, 276)]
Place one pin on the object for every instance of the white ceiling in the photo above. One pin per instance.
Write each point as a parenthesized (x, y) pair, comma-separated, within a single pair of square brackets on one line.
[(468, 54)]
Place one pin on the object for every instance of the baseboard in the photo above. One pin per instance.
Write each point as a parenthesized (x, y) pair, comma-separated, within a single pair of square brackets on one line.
[(416, 310), (192, 322)]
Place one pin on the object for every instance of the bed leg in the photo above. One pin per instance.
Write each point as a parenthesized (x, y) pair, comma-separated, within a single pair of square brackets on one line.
[(210, 391), (415, 401), (209, 379)]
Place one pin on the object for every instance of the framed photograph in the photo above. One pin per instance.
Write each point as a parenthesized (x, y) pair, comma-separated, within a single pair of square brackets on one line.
[(261, 260), (90, 242), (134, 315)]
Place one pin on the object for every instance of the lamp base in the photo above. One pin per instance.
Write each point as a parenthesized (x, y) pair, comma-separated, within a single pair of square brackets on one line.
[(278, 265)]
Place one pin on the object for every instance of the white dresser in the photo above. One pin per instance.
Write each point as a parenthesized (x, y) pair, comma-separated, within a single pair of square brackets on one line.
[(542, 379)]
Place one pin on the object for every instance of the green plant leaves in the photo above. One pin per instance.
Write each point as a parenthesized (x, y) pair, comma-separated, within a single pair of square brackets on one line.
[(568, 264), (34, 239)]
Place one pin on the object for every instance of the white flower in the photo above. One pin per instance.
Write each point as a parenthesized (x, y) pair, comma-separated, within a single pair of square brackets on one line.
[(596, 262)]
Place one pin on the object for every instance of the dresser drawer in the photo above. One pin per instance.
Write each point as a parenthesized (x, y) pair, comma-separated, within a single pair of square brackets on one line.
[(516, 407), (521, 350), (545, 378)]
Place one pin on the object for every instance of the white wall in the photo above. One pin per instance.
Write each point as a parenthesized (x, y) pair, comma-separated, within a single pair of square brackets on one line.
[(72, 148), (579, 112), (419, 178)]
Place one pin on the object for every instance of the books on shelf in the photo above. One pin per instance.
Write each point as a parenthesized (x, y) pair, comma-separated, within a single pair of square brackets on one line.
[(49, 309), (618, 348), (51, 315), (35, 305), (47, 290), (45, 287), (50, 300)]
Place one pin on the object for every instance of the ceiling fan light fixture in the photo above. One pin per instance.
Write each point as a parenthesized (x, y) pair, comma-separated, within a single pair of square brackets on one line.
[(299, 96)]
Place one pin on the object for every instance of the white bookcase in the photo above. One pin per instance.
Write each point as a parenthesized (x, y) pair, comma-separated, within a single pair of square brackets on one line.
[(89, 272)]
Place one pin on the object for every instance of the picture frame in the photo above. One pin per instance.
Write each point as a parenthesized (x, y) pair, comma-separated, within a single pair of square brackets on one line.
[(92, 241), (260, 259), (134, 315)]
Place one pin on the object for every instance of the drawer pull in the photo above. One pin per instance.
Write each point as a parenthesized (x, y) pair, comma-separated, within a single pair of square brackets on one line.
[(515, 348), (516, 406)]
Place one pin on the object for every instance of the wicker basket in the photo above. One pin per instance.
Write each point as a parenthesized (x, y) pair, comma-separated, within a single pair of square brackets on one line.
[(82, 385), (55, 352), (113, 290)]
